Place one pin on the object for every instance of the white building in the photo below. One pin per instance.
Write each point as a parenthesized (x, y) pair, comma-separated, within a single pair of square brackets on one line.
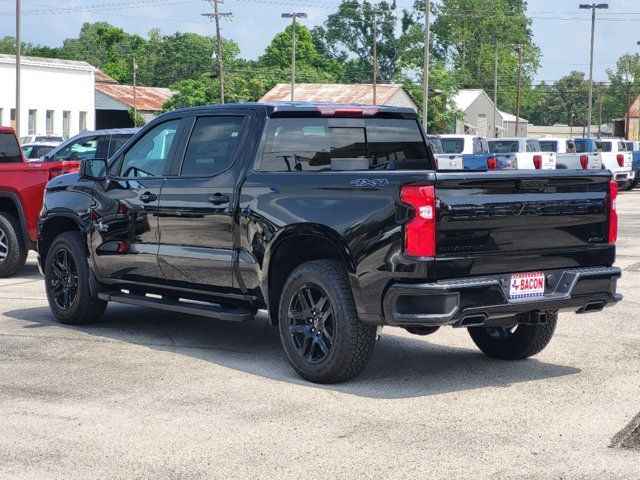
[(57, 96), (481, 117)]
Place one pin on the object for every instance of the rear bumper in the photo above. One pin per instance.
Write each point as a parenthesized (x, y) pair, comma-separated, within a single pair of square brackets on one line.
[(468, 301)]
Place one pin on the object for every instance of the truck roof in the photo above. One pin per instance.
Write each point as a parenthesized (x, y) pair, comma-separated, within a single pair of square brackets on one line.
[(310, 108)]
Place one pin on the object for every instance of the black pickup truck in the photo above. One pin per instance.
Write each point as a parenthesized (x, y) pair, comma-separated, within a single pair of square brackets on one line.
[(332, 218)]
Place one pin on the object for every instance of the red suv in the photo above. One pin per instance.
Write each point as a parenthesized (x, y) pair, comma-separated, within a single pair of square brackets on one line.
[(21, 190)]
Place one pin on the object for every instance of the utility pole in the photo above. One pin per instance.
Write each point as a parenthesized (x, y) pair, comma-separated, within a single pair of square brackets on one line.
[(425, 73), (18, 61), (629, 78), (593, 8), (135, 103), (520, 54), (571, 123), (495, 91), (216, 17), (375, 58), (293, 17), (600, 94)]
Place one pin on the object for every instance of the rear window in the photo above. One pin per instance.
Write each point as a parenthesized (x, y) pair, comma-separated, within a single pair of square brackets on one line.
[(452, 145), (581, 146), (533, 146), (435, 143), (9, 149), (504, 146), (606, 146), (325, 144), (549, 146)]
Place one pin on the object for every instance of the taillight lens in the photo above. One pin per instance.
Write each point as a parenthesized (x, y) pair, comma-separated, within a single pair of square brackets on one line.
[(613, 214), (492, 163), (584, 161), (56, 172), (537, 161), (620, 159), (420, 231)]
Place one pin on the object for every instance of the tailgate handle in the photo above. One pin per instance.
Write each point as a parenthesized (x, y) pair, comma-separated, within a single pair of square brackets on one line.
[(532, 185)]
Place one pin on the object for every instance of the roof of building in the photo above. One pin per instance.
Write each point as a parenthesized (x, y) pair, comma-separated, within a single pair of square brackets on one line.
[(147, 98), (361, 93), (508, 117), (48, 62), (465, 97), (102, 77), (634, 111)]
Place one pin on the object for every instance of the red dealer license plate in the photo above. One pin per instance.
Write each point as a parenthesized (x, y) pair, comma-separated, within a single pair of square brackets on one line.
[(527, 285)]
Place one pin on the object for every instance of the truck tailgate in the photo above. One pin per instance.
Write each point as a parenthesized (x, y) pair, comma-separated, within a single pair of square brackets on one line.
[(499, 222)]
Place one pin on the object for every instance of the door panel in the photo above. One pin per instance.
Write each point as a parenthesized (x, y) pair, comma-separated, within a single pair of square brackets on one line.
[(125, 236), (196, 210)]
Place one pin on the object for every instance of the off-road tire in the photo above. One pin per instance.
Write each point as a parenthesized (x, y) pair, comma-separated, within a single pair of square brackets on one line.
[(16, 255), (85, 308), (353, 341), (523, 342)]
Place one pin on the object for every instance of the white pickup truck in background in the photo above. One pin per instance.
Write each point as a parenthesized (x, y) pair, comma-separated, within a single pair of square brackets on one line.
[(527, 152), (616, 159), (567, 156)]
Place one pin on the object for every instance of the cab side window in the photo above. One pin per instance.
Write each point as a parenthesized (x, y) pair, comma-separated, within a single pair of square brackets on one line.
[(149, 156), (212, 146)]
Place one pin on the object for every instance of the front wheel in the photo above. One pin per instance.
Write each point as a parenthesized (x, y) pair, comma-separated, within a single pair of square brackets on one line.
[(321, 334), (514, 343), (66, 276)]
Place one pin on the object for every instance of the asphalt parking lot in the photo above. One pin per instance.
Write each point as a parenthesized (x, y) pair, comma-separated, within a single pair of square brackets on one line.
[(148, 394)]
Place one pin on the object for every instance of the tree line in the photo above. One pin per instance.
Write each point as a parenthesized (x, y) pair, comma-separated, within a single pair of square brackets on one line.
[(467, 37)]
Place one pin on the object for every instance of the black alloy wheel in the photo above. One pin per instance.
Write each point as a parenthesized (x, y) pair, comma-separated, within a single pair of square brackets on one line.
[(64, 279), (312, 323)]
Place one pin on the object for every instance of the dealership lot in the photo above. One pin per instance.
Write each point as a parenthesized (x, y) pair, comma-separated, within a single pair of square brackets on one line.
[(148, 394)]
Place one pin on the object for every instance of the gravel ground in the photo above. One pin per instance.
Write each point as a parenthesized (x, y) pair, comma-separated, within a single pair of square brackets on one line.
[(146, 394)]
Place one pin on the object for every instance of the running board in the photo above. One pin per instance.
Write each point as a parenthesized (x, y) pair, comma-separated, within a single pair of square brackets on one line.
[(230, 314)]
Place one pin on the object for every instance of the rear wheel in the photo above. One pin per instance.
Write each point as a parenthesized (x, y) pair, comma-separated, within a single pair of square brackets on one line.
[(13, 251), (67, 281), (321, 334), (516, 342)]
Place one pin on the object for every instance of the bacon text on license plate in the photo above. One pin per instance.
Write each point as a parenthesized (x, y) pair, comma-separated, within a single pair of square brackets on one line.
[(526, 285)]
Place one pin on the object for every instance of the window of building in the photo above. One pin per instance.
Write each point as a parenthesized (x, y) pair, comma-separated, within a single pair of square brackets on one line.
[(1, 116), (49, 121), (12, 119), (32, 121), (66, 123), (82, 121)]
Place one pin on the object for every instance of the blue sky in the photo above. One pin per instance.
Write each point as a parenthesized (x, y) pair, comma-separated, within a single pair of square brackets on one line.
[(560, 28)]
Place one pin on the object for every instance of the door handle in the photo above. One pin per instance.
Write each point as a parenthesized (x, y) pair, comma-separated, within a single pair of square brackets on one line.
[(219, 199), (148, 197)]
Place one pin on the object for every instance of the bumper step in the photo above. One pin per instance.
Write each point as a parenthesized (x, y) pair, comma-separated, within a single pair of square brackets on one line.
[(230, 314)]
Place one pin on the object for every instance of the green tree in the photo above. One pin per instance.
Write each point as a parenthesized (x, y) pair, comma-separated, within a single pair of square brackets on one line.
[(614, 99), (465, 33), (347, 36)]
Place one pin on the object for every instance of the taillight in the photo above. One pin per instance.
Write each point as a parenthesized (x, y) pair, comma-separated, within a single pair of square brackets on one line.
[(620, 158), (337, 111), (537, 162), (420, 231), (584, 161), (56, 172), (613, 214), (492, 163)]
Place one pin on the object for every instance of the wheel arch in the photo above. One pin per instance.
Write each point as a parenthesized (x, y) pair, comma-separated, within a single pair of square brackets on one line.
[(295, 245), (52, 227), (10, 203)]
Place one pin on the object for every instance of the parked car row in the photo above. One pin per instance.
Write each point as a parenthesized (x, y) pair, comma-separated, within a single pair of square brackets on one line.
[(471, 152)]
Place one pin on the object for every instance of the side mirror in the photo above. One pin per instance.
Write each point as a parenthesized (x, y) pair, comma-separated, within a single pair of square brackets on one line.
[(93, 169)]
